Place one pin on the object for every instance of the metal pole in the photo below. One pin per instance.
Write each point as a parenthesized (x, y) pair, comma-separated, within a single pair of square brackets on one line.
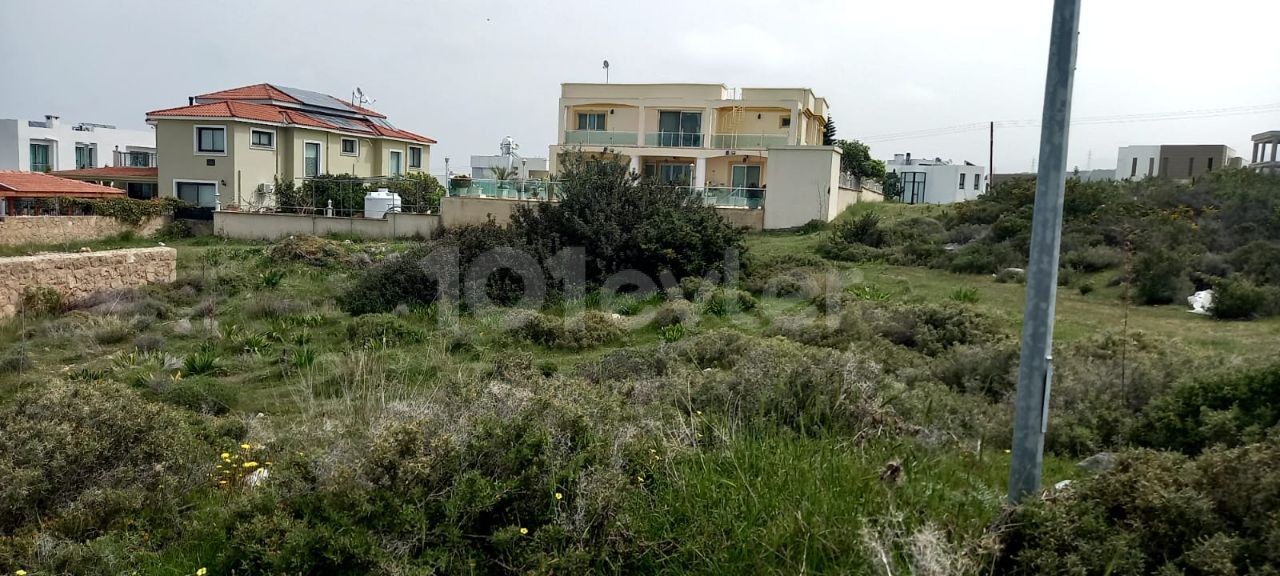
[(991, 156), (1035, 369)]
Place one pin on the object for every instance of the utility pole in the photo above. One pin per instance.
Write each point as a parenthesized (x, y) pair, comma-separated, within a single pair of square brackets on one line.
[(991, 156), (1035, 368)]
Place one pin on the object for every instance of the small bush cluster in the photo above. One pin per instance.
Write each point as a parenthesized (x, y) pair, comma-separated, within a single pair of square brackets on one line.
[(383, 330), (587, 330), (309, 250)]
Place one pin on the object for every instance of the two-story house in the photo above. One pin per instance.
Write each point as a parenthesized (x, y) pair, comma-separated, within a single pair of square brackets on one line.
[(229, 147), (730, 144)]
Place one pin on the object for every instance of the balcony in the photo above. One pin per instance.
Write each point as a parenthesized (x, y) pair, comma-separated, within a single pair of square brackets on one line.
[(599, 138), (40, 167), (674, 139), (729, 196), (135, 159), (761, 141)]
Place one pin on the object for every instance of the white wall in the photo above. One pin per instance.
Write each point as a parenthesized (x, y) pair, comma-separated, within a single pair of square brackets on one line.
[(801, 183), (1148, 158), (942, 182), (63, 138)]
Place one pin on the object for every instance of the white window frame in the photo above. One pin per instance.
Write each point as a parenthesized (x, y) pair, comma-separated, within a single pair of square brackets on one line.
[(259, 146), (217, 189), (195, 140), (403, 167), (409, 164), (319, 158), (344, 153)]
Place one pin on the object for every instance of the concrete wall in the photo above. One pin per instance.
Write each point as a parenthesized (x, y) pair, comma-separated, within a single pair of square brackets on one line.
[(23, 230), (247, 226), (752, 220), (1147, 160), (460, 211), (1184, 162), (801, 184), (78, 275)]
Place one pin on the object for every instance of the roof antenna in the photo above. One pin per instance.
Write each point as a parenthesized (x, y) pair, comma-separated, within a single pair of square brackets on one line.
[(358, 98), (606, 71)]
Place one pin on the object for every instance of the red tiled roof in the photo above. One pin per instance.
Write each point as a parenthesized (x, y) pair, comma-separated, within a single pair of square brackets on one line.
[(14, 183), (254, 92), (278, 115), (108, 172)]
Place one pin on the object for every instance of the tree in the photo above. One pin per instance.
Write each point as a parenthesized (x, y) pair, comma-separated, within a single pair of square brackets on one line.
[(891, 186), (502, 173), (856, 160), (829, 132)]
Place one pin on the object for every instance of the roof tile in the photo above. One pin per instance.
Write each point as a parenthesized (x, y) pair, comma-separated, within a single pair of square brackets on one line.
[(17, 183)]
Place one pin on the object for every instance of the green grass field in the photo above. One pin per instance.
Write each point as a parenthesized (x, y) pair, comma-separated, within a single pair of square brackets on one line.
[(278, 367)]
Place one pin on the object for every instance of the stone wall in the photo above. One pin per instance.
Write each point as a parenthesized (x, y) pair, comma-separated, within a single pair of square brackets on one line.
[(22, 230), (77, 275)]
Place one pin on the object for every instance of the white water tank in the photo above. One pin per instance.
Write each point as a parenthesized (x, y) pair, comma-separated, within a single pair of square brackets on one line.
[(379, 202)]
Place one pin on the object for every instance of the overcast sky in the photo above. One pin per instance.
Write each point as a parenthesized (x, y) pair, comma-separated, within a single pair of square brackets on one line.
[(469, 72)]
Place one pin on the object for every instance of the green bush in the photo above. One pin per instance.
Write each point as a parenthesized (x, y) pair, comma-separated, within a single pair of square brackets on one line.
[(174, 230), (587, 330), (675, 312), (383, 330), (983, 258), (1154, 513), (930, 328), (1094, 259), (1159, 277), (40, 301), (726, 301), (862, 229), (1236, 298), (1226, 408), (81, 458)]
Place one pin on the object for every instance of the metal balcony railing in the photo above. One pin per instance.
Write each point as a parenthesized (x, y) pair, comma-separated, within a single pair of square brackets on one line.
[(600, 138), (674, 139), (748, 140), (135, 159)]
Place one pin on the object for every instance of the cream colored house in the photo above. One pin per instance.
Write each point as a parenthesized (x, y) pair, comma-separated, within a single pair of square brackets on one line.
[(712, 138), (228, 148)]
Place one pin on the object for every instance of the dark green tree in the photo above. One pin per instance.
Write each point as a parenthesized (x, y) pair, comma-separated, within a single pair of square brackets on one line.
[(891, 185), (829, 132), (856, 160)]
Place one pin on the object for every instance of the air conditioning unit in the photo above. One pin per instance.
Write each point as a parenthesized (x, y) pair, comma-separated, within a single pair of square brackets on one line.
[(264, 189)]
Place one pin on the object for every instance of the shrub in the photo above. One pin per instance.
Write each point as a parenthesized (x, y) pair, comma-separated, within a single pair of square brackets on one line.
[(862, 229), (587, 330), (269, 307), (1094, 259), (1236, 298), (148, 342), (1159, 277), (781, 275), (726, 301), (82, 457), (40, 301), (15, 359), (672, 333), (1011, 276), (310, 250), (383, 330), (675, 312), (930, 328), (200, 395), (987, 369), (983, 258), (1258, 260), (1224, 408), (1154, 513), (1086, 288), (965, 295), (202, 362), (272, 278), (812, 227), (174, 230)]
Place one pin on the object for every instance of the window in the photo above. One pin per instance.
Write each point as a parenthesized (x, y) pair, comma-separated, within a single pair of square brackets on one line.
[(1133, 170), (262, 138), (201, 194), (141, 159), (40, 158), (1191, 167), (1210, 167), (85, 157), (591, 121), (962, 175), (784, 121), (395, 166), (977, 181), (675, 174), (141, 190), (913, 186), (679, 128), (1151, 166), (310, 159), (350, 147), (415, 157), (211, 140)]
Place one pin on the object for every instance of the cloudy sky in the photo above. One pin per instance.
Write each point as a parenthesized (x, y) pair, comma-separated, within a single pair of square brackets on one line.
[(470, 72)]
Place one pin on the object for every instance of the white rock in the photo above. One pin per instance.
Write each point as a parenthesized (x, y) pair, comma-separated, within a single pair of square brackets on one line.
[(1200, 302), (256, 478), (1059, 486)]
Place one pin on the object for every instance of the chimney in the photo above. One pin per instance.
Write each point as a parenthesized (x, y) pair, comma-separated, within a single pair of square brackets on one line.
[(50, 121), (908, 158), (898, 158)]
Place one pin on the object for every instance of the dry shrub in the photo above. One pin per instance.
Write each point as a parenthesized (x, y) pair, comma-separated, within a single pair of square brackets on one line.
[(310, 250), (580, 332)]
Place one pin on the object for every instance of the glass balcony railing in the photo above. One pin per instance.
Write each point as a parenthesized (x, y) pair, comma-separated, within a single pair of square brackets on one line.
[(508, 189), (600, 138), (729, 196), (748, 140), (674, 139), (40, 167)]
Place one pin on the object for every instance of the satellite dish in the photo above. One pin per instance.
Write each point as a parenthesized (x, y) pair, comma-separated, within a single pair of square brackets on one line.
[(606, 65)]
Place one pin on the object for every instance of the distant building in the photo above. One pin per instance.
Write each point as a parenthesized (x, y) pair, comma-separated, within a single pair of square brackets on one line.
[(522, 167), (51, 144), (936, 181), (1262, 161), (35, 193), (1177, 162)]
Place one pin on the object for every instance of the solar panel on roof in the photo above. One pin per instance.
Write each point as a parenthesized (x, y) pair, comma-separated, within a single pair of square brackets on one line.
[(382, 122), (347, 123), (315, 99)]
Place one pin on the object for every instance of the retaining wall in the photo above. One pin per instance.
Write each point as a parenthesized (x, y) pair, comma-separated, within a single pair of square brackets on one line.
[(77, 275), (251, 226), (21, 230)]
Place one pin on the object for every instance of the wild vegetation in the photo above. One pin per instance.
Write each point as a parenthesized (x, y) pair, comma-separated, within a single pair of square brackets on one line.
[(314, 407)]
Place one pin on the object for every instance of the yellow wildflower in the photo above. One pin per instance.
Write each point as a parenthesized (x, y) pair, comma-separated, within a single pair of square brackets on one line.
[(250, 465), (222, 481), (268, 463), (202, 571), (559, 496), (225, 455), (245, 446), (1007, 451), (524, 530), (21, 573)]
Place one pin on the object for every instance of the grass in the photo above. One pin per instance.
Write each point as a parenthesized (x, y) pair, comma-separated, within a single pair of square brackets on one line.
[(749, 498)]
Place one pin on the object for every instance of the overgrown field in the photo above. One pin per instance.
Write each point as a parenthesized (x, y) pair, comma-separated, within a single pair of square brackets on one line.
[(307, 407)]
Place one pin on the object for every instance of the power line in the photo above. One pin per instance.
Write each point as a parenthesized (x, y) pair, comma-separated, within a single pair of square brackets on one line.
[(1088, 121)]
